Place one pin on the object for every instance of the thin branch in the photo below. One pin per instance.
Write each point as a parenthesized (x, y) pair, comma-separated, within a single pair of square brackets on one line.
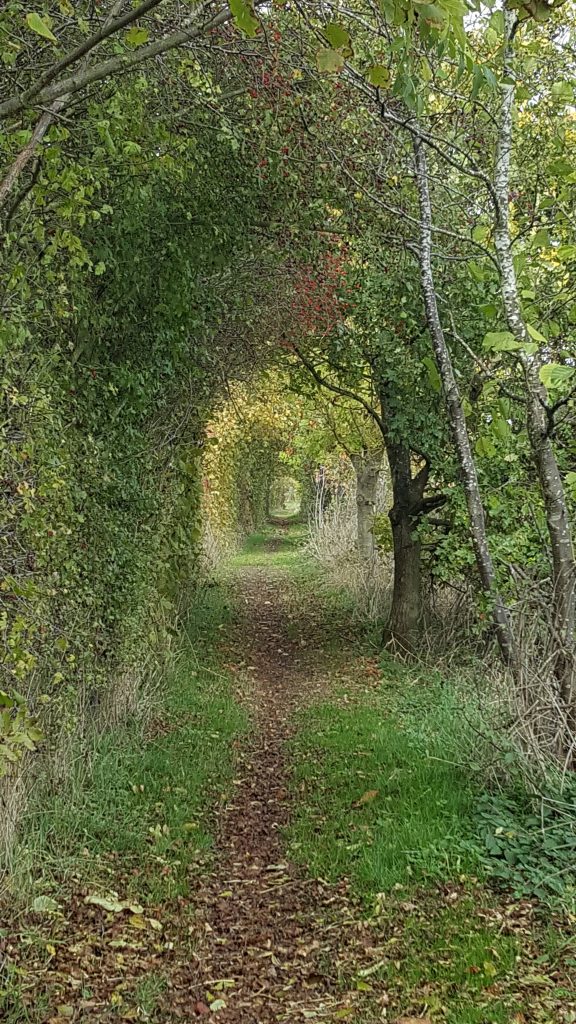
[(345, 392), (110, 26)]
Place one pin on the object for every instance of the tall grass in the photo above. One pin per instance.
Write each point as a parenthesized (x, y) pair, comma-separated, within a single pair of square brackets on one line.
[(150, 788), (331, 544)]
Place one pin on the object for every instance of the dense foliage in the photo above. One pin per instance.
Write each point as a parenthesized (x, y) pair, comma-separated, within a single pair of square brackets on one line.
[(178, 214)]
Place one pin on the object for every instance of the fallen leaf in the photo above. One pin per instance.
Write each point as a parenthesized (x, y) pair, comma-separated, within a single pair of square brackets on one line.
[(201, 1008), (45, 905), (366, 797), (115, 906), (137, 921), (218, 1004), (413, 1020)]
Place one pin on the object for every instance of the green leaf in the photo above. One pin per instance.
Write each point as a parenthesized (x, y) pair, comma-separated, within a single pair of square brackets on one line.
[(378, 76), (500, 341), (563, 91), (99, 268), (329, 60), (561, 168), (535, 334), (488, 309), (337, 36), (485, 446), (476, 271), (478, 81), (501, 428), (243, 17), (433, 375), (481, 233), (38, 25), (137, 36), (570, 479), (554, 375), (44, 905), (566, 252), (541, 238), (497, 22)]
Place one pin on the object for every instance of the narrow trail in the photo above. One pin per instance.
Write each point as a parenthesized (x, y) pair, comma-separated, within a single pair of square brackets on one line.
[(278, 944), (240, 933)]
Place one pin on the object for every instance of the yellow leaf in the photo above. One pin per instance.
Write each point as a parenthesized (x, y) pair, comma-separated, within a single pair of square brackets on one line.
[(137, 921)]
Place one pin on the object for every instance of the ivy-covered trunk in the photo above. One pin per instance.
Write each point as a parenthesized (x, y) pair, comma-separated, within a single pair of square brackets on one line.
[(367, 471), (405, 621)]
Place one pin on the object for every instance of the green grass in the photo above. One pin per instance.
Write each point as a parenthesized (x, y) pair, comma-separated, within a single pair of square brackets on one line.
[(273, 546), (455, 950), (153, 790), (414, 820)]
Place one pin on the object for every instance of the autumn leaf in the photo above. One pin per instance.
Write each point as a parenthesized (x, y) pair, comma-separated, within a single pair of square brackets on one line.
[(413, 1020), (113, 905), (366, 797)]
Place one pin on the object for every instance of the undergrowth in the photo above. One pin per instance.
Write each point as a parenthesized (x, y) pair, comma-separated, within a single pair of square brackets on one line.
[(410, 785), (151, 792)]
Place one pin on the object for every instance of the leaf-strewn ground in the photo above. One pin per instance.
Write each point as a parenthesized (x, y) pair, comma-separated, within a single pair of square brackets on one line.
[(214, 869)]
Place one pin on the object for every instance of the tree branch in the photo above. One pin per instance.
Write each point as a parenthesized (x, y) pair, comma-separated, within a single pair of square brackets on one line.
[(125, 62), (109, 27), (345, 392)]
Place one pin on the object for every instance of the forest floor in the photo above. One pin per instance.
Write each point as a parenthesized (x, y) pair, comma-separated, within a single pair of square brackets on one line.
[(250, 854)]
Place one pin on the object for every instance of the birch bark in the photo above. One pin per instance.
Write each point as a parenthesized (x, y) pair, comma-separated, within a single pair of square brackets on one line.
[(456, 413), (550, 477)]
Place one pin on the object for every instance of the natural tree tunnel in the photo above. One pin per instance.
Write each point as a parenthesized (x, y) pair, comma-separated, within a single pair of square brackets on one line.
[(288, 477)]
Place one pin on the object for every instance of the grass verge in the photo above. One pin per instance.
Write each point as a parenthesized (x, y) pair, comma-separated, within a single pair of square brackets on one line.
[(378, 801), (382, 799), (134, 832)]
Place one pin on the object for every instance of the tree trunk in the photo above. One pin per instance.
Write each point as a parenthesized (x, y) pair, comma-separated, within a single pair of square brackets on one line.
[(549, 475), (474, 504), (405, 622), (367, 470)]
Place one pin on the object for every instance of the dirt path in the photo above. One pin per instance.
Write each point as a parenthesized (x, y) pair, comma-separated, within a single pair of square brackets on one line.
[(276, 946), (254, 941), (249, 938)]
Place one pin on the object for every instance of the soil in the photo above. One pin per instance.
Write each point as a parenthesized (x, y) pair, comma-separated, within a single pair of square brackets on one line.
[(278, 938)]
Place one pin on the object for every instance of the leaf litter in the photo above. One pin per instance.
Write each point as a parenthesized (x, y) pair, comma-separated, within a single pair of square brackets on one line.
[(255, 941)]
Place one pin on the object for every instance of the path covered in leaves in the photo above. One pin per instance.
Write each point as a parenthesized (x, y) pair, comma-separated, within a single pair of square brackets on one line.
[(253, 940), (277, 946)]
